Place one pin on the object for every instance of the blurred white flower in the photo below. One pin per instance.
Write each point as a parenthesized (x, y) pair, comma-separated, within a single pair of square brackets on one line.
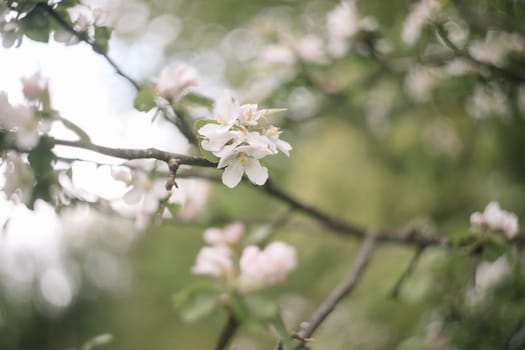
[(34, 86), (22, 120), (215, 261), (144, 195), (311, 49), (343, 23), (278, 55), (497, 219), (419, 82), (18, 178), (490, 274), (421, 14), (259, 268), (229, 235), (488, 101), (172, 82)]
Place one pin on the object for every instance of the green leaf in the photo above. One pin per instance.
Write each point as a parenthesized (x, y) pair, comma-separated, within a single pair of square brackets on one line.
[(102, 35), (196, 99), (267, 311), (208, 155), (40, 159), (145, 99), (196, 301), (201, 122), (36, 25)]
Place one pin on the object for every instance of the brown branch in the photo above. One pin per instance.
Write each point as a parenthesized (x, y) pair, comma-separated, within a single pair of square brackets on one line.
[(131, 153), (413, 235), (340, 292), (394, 293), (227, 333), (182, 122)]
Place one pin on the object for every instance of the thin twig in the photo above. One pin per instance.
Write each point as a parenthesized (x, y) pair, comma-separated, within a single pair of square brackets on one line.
[(131, 153), (394, 293), (181, 123), (84, 38), (227, 333), (340, 292), (396, 236)]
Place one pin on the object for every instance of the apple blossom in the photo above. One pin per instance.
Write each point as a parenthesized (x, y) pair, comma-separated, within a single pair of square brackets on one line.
[(239, 139), (266, 267), (34, 87), (215, 261), (172, 82), (497, 219), (144, 194), (22, 120), (229, 235)]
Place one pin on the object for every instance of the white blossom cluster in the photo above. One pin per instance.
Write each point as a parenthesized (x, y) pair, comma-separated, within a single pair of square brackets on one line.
[(144, 194), (496, 219), (240, 140), (256, 267), (22, 120), (9, 29)]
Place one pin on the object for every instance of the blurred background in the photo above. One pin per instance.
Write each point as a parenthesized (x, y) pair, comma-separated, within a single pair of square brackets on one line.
[(390, 127)]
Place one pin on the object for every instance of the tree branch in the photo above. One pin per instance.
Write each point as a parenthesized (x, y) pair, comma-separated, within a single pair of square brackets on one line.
[(509, 75), (394, 293), (131, 153), (182, 123), (227, 333), (340, 292)]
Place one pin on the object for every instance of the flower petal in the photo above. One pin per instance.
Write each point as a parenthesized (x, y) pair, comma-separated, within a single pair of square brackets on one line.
[(256, 172), (233, 174)]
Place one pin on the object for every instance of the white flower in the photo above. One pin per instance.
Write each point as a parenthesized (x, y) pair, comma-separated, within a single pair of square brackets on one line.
[(229, 235), (261, 268), (421, 14), (275, 143), (311, 49), (419, 82), (244, 159), (144, 194), (215, 261), (34, 87), (490, 274), (343, 23), (172, 82), (18, 178), (278, 55), (488, 101), (22, 120), (496, 219), (239, 140)]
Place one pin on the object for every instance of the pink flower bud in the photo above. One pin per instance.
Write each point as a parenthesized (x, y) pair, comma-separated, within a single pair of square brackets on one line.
[(230, 234), (34, 87)]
